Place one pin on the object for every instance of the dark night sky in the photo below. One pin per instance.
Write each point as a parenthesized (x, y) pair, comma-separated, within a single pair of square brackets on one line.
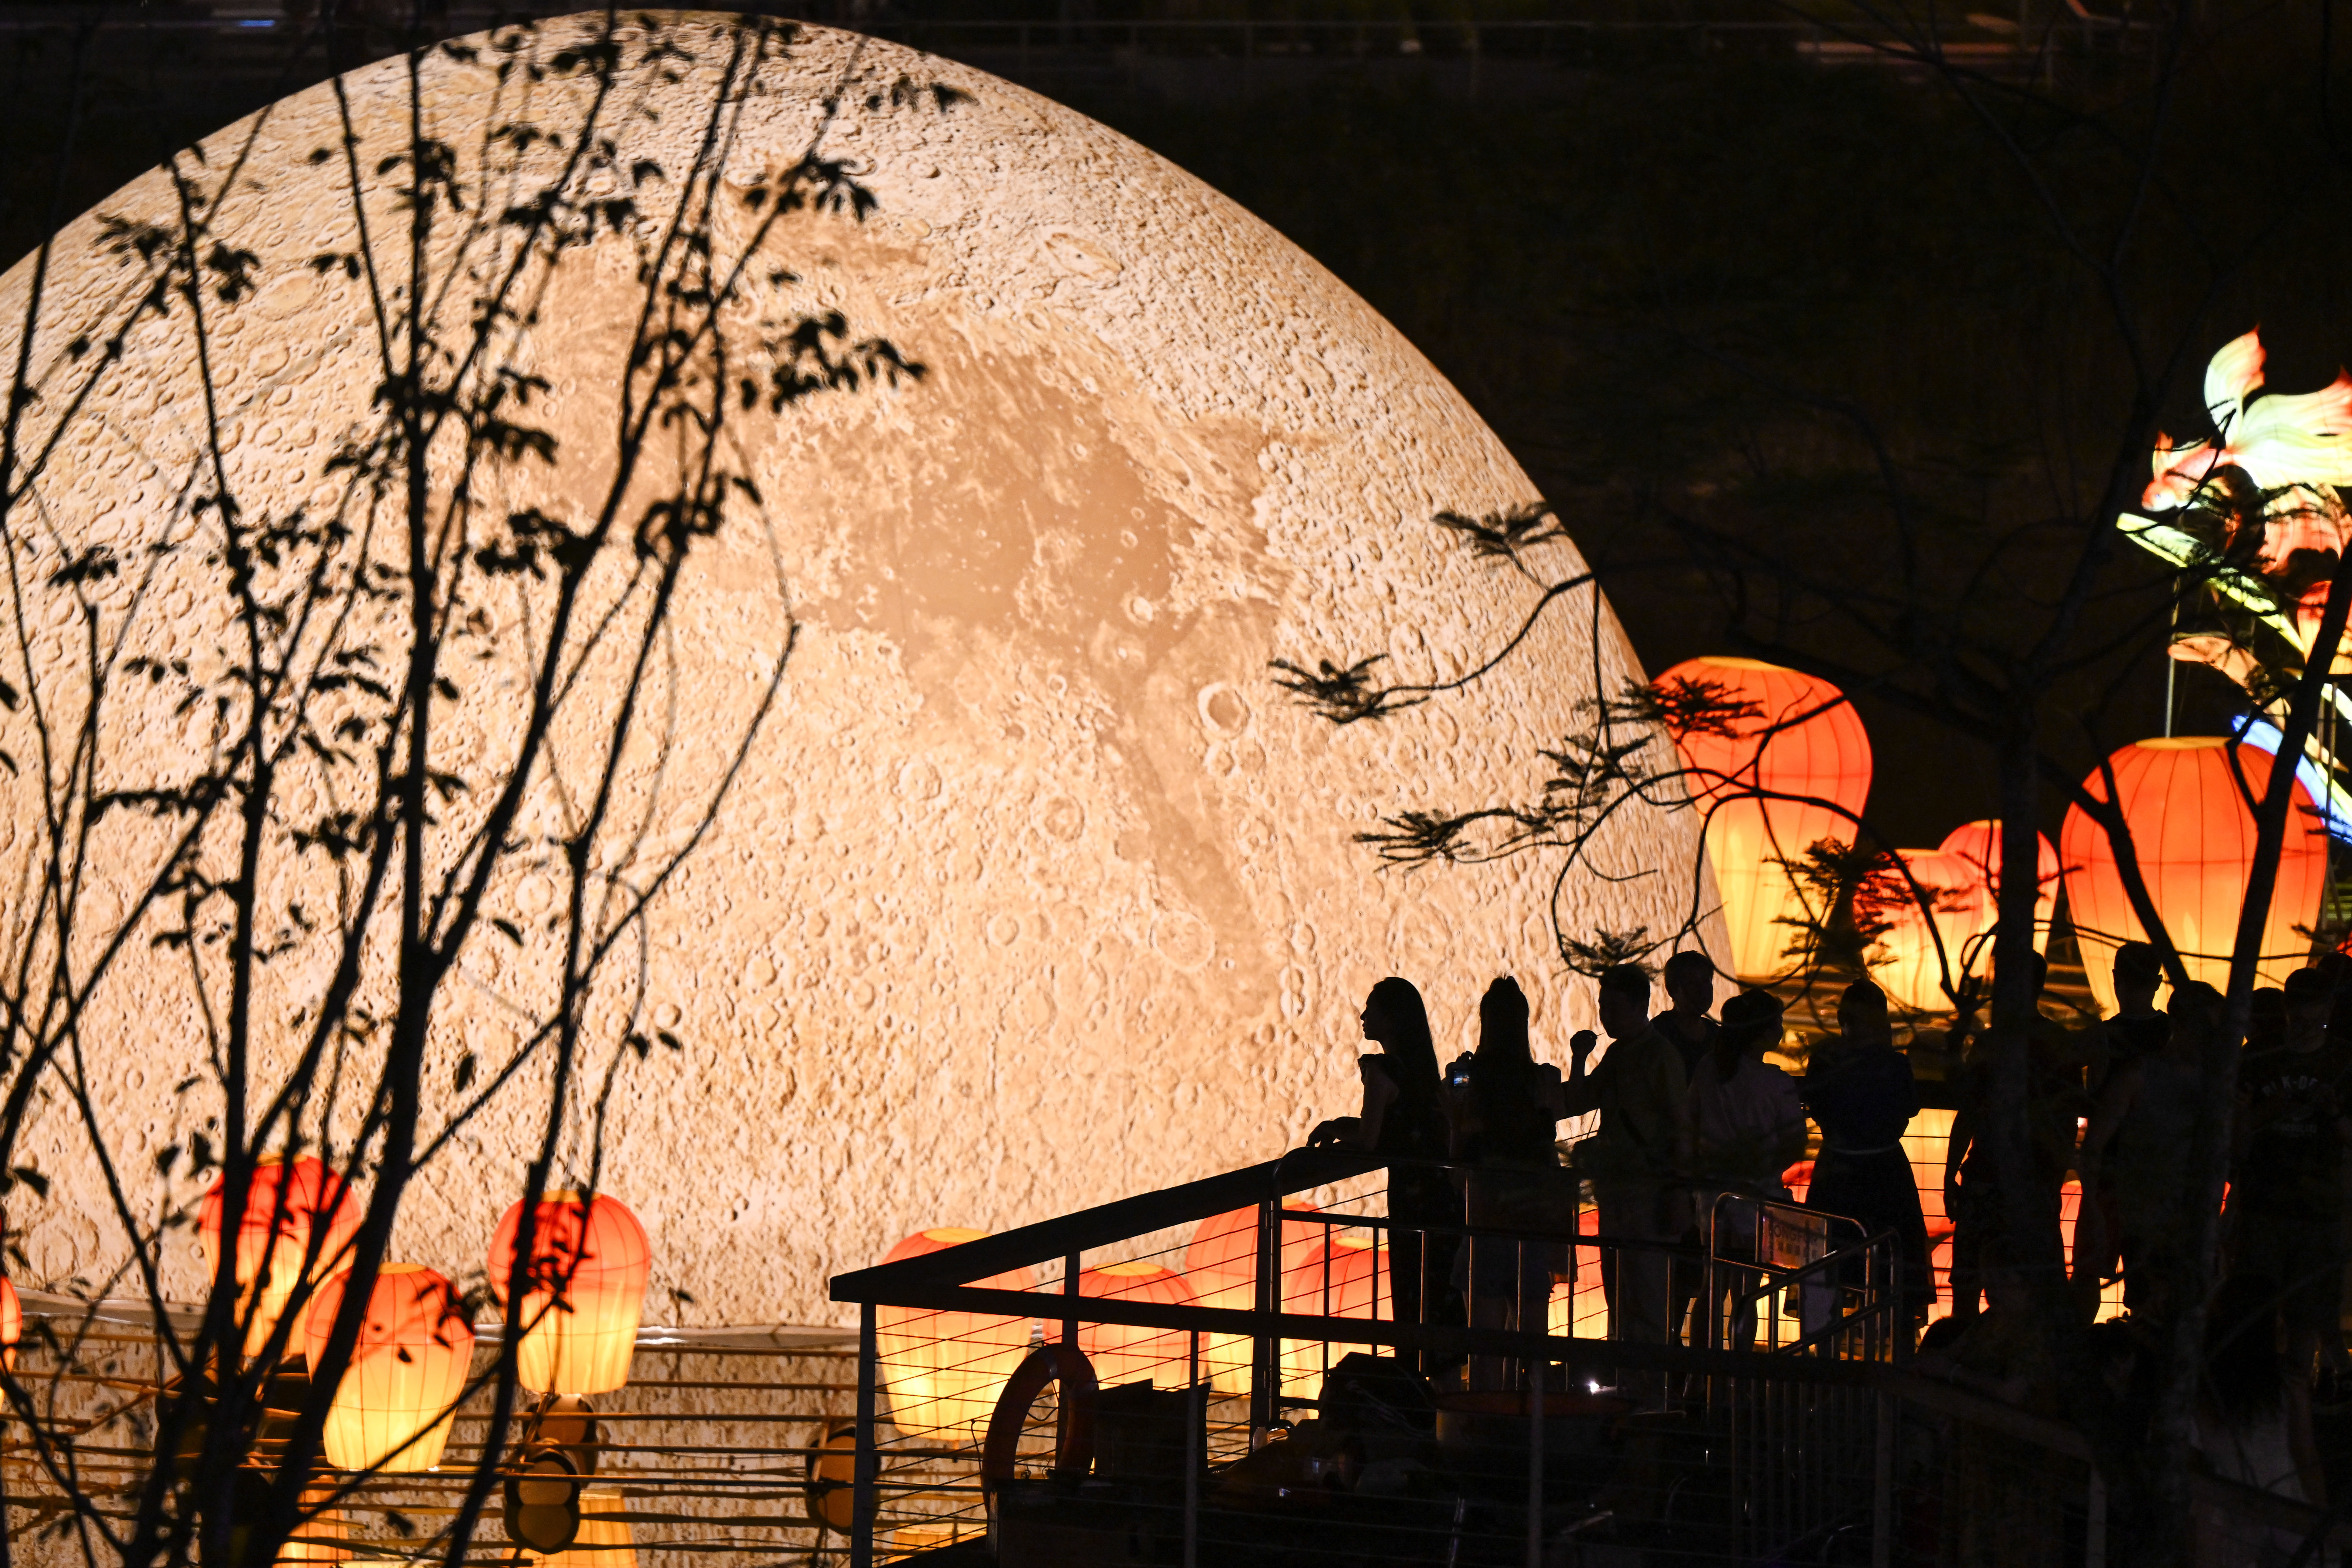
[(1638, 270)]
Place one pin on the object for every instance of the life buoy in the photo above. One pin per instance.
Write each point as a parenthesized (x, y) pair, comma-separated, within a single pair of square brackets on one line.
[(1074, 1427)]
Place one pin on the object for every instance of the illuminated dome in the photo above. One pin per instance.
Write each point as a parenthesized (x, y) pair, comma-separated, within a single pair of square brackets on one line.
[(1036, 891)]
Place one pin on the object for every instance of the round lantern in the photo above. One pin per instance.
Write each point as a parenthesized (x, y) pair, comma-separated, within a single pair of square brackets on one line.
[(393, 1408), (604, 1540), (1221, 1265), (1961, 883), (12, 1324), (1978, 842), (1123, 1352), (2194, 839), (585, 1288), (321, 1533), (289, 1206), (1342, 1277), (1803, 741), (946, 1369)]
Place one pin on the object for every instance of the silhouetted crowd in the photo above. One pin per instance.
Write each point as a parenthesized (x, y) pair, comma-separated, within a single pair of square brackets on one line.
[(1699, 1132)]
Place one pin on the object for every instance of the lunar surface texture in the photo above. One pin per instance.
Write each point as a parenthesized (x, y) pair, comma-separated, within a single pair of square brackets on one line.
[(1027, 888)]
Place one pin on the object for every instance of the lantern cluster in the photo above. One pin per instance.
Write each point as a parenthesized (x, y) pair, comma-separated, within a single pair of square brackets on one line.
[(581, 1276), (2192, 837), (1795, 770)]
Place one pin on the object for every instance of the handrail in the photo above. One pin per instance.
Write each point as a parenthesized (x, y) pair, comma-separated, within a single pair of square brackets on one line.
[(1047, 1240)]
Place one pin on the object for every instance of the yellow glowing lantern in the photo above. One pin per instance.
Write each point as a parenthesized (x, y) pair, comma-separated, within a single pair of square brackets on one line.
[(585, 1289), (946, 1369), (290, 1205), (392, 1410), (2194, 841), (12, 1324), (1123, 1352), (1978, 844), (1961, 885), (320, 1533), (604, 1540), (1805, 747)]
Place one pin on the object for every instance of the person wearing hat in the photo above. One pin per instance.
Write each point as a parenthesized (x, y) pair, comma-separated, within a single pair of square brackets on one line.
[(1748, 1127)]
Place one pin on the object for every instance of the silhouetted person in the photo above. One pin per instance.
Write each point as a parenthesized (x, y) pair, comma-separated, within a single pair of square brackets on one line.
[(2137, 1029), (1689, 979), (1403, 1117), (1860, 1092), (1748, 1127), (2055, 1103), (1508, 1121), (1636, 1160), (2286, 1181), (2134, 1155)]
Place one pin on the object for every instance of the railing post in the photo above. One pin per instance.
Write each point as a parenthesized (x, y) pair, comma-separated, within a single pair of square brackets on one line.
[(2095, 1522), (1266, 1378), (1882, 1487), (1536, 1364), (1070, 1300), (863, 1475), (1196, 1433)]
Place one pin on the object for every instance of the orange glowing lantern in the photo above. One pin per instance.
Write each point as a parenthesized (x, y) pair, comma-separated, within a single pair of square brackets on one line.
[(320, 1533), (946, 1369), (1342, 1277), (1221, 1265), (1123, 1352), (2194, 839), (290, 1205), (392, 1407), (1978, 842), (1961, 883), (1804, 743), (604, 1540), (12, 1324), (586, 1278)]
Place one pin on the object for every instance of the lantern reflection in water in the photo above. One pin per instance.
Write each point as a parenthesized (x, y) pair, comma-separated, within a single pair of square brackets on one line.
[(586, 1273), (392, 1411), (1801, 744), (946, 1369), (2193, 839)]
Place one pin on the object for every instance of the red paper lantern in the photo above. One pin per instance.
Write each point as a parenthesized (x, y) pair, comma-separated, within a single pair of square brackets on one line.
[(586, 1278), (2194, 839), (392, 1410), (1804, 743), (1978, 842), (1345, 1276), (1123, 1352), (946, 1369), (289, 1204), (1221, 1265), (1961, 883)]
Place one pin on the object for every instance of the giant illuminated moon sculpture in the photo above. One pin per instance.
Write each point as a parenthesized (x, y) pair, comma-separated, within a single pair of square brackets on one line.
[(1036, 891)]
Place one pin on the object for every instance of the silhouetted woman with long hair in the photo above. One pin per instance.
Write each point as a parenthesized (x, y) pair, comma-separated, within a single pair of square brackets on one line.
[(1505, 1134), (1405, 1119)]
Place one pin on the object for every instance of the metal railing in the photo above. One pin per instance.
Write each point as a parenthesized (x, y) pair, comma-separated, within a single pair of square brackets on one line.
[(1233, 1330)]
